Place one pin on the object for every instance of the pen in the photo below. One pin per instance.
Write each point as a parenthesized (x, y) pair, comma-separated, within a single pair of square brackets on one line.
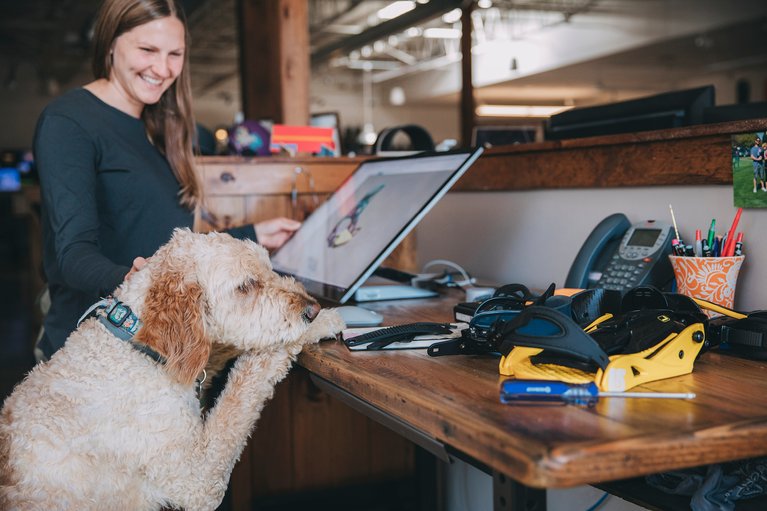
[(715, 246), (698, 244), (739, 245), (712, 232), (677, 248), (706, 248), (730, 245)]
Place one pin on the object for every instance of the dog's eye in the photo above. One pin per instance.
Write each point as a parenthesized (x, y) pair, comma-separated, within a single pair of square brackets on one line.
[(247, 286)]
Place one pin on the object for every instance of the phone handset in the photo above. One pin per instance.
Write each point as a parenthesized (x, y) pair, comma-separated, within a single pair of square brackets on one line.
[(608, 232)]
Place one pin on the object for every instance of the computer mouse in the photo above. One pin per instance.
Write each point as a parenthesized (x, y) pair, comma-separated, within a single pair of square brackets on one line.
[(355, 316)]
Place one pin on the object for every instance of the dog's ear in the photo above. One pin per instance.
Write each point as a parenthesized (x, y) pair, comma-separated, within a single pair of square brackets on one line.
[(173, 325)]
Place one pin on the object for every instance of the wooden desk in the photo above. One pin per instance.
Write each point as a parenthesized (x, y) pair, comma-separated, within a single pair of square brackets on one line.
[(453, 402)]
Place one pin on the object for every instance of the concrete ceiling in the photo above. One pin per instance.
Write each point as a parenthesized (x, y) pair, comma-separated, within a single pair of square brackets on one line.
[(529, 51)]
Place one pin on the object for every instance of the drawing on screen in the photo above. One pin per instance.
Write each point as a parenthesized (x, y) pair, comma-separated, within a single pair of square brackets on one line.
[(347, 227)]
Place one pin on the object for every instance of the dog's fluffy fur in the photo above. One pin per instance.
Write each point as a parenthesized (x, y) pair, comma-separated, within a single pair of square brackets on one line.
[(102, 426)]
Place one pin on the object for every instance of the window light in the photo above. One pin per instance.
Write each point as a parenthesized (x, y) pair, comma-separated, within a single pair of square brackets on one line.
[(519, 110)]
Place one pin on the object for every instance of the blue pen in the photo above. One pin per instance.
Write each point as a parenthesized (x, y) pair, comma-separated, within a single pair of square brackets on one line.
[(715, 247)]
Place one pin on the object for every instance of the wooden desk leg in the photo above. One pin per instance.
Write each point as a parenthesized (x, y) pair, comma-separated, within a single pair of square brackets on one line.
[(509, 495)]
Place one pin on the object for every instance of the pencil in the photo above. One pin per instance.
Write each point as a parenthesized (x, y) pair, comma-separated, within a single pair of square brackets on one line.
[(673, 220)]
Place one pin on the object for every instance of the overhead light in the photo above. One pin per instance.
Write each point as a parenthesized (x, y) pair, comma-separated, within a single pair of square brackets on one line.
[(397, 96), (221, 135), (519, 110), (413, 32), (441, 33), (395, 9), (485, 4), (453, 16), (367, 136)]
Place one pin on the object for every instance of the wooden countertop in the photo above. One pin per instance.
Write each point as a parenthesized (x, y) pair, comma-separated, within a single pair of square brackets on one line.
[(690, 155), (455, 400)]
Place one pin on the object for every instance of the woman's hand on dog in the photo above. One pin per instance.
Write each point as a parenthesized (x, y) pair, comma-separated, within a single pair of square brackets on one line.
[(138, 263), (273, 233)]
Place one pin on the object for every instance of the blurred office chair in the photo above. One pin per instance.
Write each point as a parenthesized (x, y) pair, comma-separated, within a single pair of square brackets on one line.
[(420, 139)]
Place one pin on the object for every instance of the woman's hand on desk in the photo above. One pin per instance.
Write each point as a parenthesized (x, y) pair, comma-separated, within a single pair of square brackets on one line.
[(273, 233)]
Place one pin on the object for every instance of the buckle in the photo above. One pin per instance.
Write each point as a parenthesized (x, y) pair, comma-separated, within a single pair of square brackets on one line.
[(118, 314)]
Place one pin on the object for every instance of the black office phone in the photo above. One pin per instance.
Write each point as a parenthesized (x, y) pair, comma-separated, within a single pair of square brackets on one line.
[(618, 255)]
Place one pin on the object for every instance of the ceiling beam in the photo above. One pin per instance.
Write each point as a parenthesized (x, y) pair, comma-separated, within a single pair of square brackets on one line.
[(421, 13)]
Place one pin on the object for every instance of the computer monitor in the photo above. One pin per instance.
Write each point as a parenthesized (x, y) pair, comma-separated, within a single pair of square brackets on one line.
[(489, 136), (340, 245), (10, 179), (737, 112), (329, 120), (667, 110)]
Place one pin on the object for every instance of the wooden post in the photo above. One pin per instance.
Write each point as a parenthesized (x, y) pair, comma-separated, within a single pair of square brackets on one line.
[(274, 60), (467, 87)]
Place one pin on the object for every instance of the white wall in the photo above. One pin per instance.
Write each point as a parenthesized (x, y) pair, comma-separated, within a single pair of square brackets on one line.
[(532, 237)]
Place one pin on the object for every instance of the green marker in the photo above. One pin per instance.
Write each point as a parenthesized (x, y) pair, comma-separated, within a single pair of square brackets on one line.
[(712, 232)]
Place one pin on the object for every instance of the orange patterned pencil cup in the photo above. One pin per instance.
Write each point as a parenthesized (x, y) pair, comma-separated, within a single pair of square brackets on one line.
[(708, 278)]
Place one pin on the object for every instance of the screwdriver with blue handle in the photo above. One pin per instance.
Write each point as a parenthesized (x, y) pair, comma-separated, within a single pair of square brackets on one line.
[(584, 394)]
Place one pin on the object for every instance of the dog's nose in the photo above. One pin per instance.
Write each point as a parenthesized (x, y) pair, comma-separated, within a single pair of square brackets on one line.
[(311, 311)]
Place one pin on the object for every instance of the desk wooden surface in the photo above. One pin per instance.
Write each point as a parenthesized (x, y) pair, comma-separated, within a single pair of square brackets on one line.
[(454, 399)]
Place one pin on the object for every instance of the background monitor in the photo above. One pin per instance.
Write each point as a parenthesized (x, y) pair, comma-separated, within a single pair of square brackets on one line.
[(667, 110), (489, 136), (10, 179), (341, 243), (329, 120), (737, 112)]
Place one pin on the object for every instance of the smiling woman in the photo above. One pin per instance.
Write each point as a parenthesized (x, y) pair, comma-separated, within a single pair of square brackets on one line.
[(115, 162), (130, 37), (145, 62)]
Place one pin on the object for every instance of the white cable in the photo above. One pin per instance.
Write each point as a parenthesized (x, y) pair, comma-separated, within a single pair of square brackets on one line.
[(467, 279)]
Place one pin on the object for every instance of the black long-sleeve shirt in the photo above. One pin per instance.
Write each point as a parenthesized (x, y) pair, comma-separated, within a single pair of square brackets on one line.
[(108, 196)]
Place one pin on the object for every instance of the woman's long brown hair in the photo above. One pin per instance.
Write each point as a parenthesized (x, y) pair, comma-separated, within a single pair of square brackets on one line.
[(170, 122)]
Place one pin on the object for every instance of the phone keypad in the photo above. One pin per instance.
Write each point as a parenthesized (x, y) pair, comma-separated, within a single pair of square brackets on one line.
[(622, 274)]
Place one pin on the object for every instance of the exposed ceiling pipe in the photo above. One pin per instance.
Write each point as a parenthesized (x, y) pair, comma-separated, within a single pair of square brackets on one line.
[(421, 13), (318, 24)]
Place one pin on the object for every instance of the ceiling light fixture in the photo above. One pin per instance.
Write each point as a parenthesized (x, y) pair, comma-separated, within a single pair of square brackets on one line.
[(413, 32), (453, 16), (395, 9), (519, 110), (368, 134), (441, 33)]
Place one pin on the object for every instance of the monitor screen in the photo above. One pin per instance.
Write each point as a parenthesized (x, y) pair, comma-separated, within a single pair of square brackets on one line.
[(342, 242), (661, 111), (10, 179), (490, 136)]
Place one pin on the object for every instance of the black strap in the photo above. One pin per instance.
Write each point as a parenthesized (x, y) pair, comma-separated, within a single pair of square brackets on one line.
[(385, 336), (549, 329)]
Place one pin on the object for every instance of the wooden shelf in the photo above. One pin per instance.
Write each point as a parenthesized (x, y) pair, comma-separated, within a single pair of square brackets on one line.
[(696, 155)]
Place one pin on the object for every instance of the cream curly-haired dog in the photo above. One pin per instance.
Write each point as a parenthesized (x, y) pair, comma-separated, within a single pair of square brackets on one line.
[(104, 425)]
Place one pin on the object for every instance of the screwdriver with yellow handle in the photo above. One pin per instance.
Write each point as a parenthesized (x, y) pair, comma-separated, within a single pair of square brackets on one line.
[(558, 392)]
